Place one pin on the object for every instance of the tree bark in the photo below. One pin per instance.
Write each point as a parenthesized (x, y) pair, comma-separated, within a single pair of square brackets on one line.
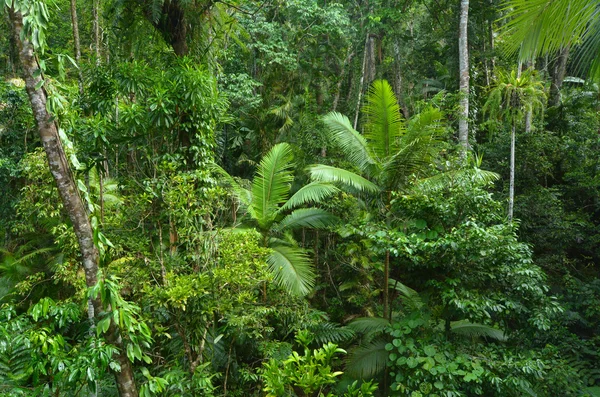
[(362, 81), (511, 187), (76, 43), (463, 65), (69, 194), (96, 28), (558, 75)]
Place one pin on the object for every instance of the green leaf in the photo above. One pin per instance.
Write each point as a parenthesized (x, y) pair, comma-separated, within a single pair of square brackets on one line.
[(307, 217), (325, 173), (292, 269)]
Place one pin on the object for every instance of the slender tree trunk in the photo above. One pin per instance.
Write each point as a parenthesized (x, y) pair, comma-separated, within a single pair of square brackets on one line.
[(96, 28), (529, 114), (463, 64), (67, 188), (347, 61), (362, 81), (511, 187), (560, 70), (398, 81), (76, 42)]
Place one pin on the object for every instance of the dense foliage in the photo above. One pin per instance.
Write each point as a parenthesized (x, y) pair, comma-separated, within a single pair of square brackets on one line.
[(281, 207)]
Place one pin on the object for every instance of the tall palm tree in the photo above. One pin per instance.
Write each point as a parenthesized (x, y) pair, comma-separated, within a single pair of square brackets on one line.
[(391, 151), (275, 215), (512, 98), (538, 27)]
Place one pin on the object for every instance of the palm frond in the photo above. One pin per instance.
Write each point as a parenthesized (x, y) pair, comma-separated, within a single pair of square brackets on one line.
[(351, 142), (326, 173), (271, 184), (410, 297), (369, 324), (292, 269), (243, 195), (327, 332), (314, 192), (367, 361), (537, 27), (469, 329), (315, 218), (383, 127), (417, 147)]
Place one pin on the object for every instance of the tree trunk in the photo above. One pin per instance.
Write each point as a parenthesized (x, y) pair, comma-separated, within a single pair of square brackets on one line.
[(511, 187), (558, 75), (96, 28), (463, 65), (398, 81), (362, 81), (172, 24), (67, 188), (76, 43)]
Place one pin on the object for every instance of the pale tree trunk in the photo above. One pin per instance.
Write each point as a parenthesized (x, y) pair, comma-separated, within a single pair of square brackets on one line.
[(511, 186), (67, 188), (529, 114), (76, 43), (96, 29), (463, 65), (362, 81)]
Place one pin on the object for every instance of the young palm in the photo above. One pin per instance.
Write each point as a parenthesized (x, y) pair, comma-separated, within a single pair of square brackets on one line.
[(275, 215), (390, 152), (512, 98)]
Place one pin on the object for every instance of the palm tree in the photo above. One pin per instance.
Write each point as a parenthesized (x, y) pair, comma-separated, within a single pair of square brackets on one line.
[(512, 98), (390, 152), (539, 27), (275, 215)]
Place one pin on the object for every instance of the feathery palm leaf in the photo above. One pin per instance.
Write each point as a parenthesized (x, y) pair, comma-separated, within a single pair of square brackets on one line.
[(410, 297), (292, 269), (368, 360), (469, 329), (242, 194), (369, 324), (314, 192), (351, 142), (315, 218), (271, 184), (384, 126), (326, 173), (538, 27)]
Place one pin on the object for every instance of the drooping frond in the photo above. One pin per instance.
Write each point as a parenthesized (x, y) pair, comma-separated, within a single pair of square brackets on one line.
[(325, 173), (470, 329), (368, 360), (314, 192), (242, 194), (410, 297), (292, 269), (326, 332), (384, 126), (351, 142), (271, 184), (314, 218), (369, 324), (537, 27)]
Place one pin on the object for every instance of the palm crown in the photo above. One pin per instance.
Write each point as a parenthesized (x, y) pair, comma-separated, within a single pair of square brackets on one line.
[(275, 214), (391, 149)]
